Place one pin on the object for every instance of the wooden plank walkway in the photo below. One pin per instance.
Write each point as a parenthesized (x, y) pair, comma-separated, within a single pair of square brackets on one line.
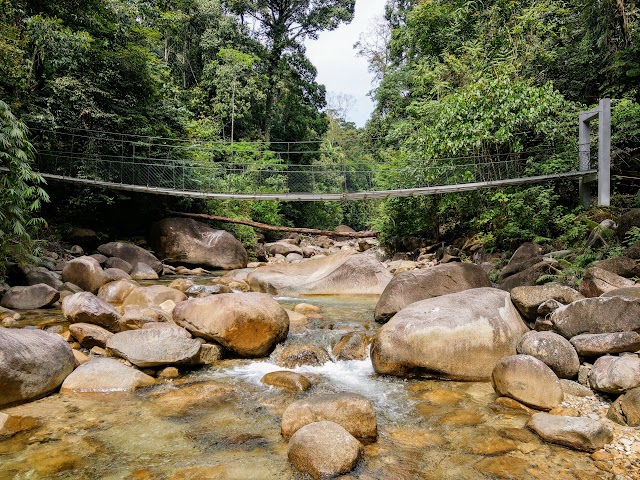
[(586, 175)]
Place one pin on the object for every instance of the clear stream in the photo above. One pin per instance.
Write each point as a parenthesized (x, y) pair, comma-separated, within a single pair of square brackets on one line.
[(222, 423)]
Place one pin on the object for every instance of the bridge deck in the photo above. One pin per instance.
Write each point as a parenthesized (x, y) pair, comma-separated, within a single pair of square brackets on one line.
[(587, 176)]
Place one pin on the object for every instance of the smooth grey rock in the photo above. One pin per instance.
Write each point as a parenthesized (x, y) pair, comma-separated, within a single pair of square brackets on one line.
[(142, 271), (84, 272), (135, 317), (578, 433), (528, 299), (413, 286), (595, 345), (527, 380), (30, 298), (38, 275), (132, 254), (615, 374), (569, 387), (552, 349), (153, 296), (623, 266), (33, 364), (154, 347), (186, 241), (597, 315), (340, 274), (530, 276), (105, 375), (85, 307), (527, 255), (597, 281), (459, 336), (629, 293), (282, 248), (115, 262)]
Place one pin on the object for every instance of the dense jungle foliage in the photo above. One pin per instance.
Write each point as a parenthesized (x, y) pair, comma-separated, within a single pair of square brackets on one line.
[(459, 84)]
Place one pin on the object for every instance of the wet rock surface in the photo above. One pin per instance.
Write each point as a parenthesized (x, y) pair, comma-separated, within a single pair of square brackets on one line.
[(579, 433), (105, 375), (87, 308), (31, 297)]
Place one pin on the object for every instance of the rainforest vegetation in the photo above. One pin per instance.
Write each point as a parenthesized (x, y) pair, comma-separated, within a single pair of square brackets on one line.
[(453, 80)]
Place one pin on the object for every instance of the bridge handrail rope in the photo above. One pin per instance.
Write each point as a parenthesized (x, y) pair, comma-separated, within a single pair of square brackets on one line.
[(275, 170)]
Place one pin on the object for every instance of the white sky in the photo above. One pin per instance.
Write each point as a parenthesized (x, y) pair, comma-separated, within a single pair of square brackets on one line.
[(338, 67)]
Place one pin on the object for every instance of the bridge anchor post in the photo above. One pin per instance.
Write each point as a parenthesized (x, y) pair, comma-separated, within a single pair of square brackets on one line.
[(603, 113)]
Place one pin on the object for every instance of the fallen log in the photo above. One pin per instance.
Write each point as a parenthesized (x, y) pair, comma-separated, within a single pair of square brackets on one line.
[(275, 228)]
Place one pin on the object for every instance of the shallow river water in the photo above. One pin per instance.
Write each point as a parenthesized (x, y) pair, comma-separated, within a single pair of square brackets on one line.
[(221, 423)]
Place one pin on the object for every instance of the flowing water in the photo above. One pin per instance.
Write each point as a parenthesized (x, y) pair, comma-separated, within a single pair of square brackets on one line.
[(221, 422)]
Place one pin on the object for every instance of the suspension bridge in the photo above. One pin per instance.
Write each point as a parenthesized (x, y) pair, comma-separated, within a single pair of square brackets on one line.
[(255, 171)]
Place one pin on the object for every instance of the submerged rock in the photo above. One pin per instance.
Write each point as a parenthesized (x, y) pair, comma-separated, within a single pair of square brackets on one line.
[(105, 375), (324, 450), (154, 347), (287, 381), (579, 433), (340, 274), (353, 412), (459, 336), (11, 425), (409, 287), (33, 364), (184, 240), (247, 324), (29, 298), (528, 380)]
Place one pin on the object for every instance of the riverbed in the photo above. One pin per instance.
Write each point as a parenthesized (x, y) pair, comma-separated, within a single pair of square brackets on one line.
[(221, 422)]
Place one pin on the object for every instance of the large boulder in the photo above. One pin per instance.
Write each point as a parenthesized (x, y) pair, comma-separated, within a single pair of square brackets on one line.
[(105, 375), (84, 272), (353, 412), (247, 324), (142, 271), (459, 336), (527, 299), (552, 349), (282, 248), (578, 433), (615, 374), (626, 409), (596, 345), (153, 296), (33, 364), (527, 380), (132, 254), (185, 241), (340, 274), (409, 287), (597, 281), (154, 347), (530, 276), (628, 293), (623, 266), (29, 298), (597, 315), (527, 255), (115, 262), (85, 307), (324, 450)]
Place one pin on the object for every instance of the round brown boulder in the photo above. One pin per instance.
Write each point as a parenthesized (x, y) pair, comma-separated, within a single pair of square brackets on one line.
[(287, 381), (116, 292), (626, 409), (527, 380), (153, 296), (33, 363), (459, 336), (353, 412), (615, 374), (552, 349), (85, 307), (247, 324), (324, 450), (186, 241), (409, 287), (84, 272)]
